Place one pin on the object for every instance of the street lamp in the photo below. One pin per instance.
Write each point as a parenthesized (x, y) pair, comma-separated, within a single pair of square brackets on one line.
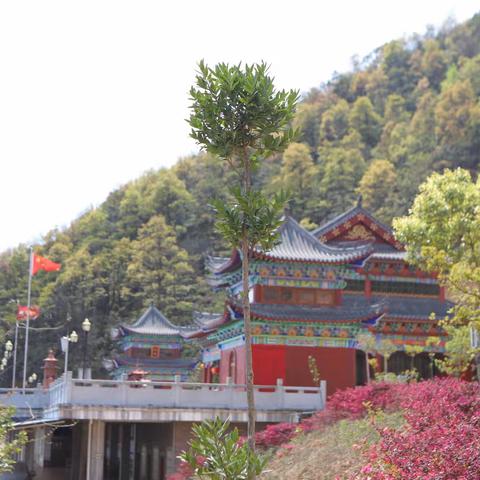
[(65, 341), (32, 378), (86, 326)]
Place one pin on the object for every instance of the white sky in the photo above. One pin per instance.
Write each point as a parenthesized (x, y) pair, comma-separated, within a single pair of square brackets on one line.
[(93, 93)]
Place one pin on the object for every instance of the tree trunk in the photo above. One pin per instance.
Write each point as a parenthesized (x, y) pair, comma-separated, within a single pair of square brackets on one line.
[(385, 364), (247, 185), (248, 345), (367, 367)]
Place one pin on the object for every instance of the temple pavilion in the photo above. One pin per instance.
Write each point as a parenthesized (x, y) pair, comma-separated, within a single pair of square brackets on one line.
[(153, 346), (311, 295)]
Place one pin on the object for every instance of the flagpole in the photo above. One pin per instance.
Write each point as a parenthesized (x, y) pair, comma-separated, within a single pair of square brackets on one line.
[(29, 294), (14, 374)]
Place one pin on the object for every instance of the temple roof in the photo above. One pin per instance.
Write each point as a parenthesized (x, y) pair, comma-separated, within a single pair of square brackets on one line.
[(410, 307), (332, 230), (154, 363), (153, 322), (205, 323), (220, 265), (297, 244), (355, 308), (345, 217), (395, 255)]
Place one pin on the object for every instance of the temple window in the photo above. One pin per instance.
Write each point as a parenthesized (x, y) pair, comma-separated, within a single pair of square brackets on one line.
[(408, 288), (232, 366), (136, 352), (307, 297), (355, 286)]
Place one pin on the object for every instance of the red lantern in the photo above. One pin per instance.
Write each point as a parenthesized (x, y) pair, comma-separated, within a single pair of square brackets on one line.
[(214, 370)]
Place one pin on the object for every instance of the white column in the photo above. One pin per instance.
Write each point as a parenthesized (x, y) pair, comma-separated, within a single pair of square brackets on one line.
[(280, 389), (143, 462), (97, 449), (156, 463), (39, 449)]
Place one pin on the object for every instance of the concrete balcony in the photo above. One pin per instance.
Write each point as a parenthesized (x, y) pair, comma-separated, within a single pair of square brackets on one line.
[(143, 401)]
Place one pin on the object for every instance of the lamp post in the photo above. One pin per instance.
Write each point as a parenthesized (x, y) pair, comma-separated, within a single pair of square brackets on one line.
[(86, 326), (65, 341), (9, 347), (6, 354)]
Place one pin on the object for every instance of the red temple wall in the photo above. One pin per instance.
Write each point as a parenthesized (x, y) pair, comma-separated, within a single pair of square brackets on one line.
[(336, 366), (268, 364)]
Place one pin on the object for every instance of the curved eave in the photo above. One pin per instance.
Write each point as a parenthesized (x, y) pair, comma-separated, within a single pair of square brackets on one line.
[(334, 261), (360, 319), (139, 331), (228, 266), (410, 318)]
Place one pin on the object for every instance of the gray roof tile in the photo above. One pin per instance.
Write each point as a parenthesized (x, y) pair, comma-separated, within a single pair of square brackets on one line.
[(354, 308), (297, 244), (153, 322), (414, 307)]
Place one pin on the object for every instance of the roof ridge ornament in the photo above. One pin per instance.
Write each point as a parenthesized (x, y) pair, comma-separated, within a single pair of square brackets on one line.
[(360, 201)]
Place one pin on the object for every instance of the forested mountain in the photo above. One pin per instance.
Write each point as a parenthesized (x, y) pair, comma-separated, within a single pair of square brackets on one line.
[(410, 108)]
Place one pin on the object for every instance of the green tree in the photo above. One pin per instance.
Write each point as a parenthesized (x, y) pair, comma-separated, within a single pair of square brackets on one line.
[(366, 121), (335, 122), (442, 234), (160, 271), (458, 125), (470, 70), (377, 188), (459, 352), (434, 62), (395, 63), (9, 447), (296, 176), (238, 115), (169, 197), (306, 121), (340, 169)]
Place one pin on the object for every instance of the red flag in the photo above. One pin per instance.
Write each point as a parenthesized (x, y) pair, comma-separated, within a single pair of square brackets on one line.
[(41, 263), (22, 312)]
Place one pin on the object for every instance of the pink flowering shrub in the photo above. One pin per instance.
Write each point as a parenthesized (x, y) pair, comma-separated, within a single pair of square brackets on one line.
[(276, 435), (441, 439)]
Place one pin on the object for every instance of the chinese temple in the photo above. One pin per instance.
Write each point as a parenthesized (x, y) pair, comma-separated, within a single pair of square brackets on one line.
[(151, 345), (311, 295)]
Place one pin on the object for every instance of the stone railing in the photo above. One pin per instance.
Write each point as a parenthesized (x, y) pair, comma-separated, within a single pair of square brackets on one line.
[(110, 393), (27, 403)]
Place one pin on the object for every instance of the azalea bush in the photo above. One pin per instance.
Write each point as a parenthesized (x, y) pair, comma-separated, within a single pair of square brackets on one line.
[(276, 434), (441, 439)]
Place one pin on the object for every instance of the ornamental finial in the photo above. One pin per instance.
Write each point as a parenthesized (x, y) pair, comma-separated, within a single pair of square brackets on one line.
[(359, 201)]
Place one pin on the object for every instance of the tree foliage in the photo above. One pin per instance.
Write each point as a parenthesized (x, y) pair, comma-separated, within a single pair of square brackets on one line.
[(9, 446)]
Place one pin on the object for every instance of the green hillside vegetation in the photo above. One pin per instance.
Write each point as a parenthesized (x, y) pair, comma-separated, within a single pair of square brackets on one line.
[(411, 108)]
